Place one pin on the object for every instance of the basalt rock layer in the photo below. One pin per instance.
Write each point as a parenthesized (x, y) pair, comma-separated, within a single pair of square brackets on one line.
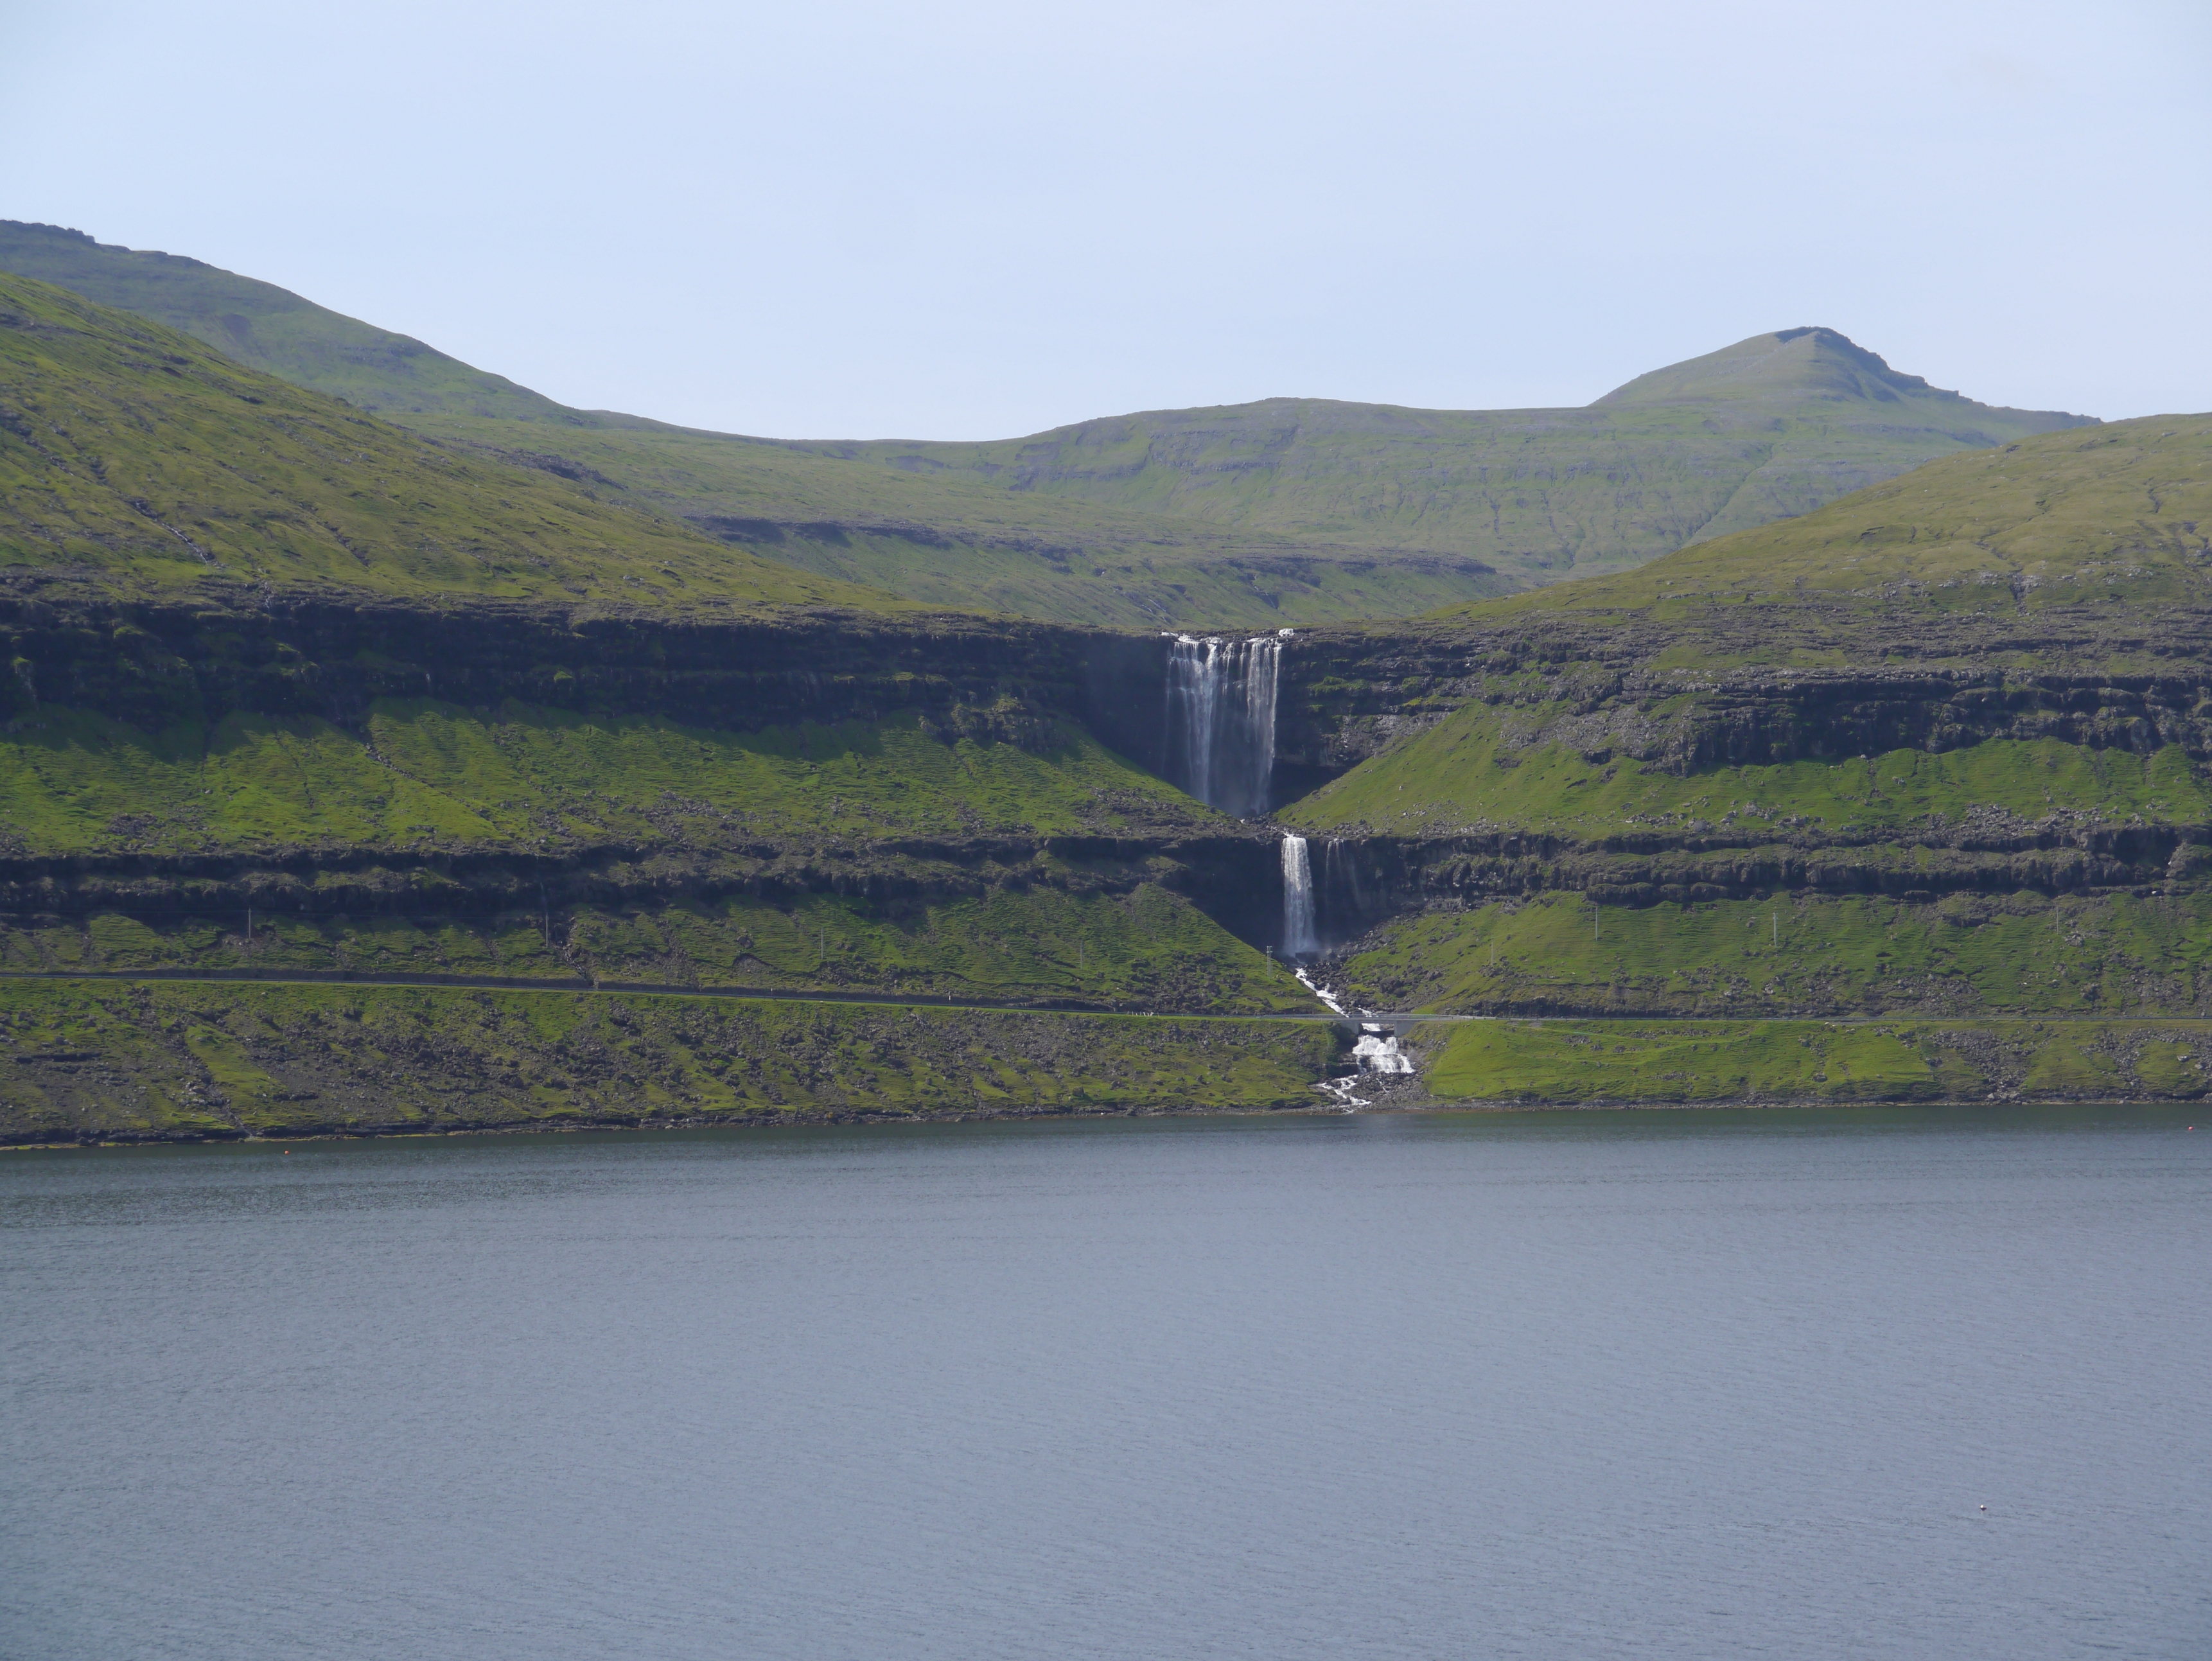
[(328, 652)]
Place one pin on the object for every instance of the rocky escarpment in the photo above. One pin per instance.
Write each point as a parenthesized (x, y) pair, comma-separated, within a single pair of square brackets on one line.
[(1608, 691), (1363, 881), (1233, 877), (330, 653), (1994, 808), (1827, 681), (338, 866)]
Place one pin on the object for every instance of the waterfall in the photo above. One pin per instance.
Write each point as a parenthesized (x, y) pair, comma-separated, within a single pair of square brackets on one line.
[(1299, 937), (1378, 1050), (1221, 718)]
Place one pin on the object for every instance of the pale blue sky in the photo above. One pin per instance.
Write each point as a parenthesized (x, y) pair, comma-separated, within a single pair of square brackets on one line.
[(975, 220)]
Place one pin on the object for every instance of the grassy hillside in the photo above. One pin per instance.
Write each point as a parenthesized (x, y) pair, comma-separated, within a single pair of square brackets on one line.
[(1286, 511), (1294, 511), (1485, 768), (943, 843), (963, 543), (544, 844), (1774, 426), (1933, 753), (419, 773), (132, 455), (2107, 530), (270, 329), (2119, 513), (1800, 953), (1654, 1064), (98, 1060), (942, 542), (1938, 749), (1135, 947)]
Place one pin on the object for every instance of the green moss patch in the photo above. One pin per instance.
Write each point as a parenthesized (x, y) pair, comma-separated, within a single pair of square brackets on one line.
[(1146, 948), (1653, 1062), (2017, 954), (424, 774), (1488, 767), (81, 1060)]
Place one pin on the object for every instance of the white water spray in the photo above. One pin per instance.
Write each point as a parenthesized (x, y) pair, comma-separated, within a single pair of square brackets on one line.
[(1299, 939), (1321, 992), (1378, 1050), (1221, 718)]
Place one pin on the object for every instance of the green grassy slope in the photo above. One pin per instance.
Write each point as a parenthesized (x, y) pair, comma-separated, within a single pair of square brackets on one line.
[(2121, 512), (1800, 953), (1287, 511), (419, 773), (1309, 510), (408, 834), (963, 543), (1776, 425), (845, 847), (270, 329), (2115, 520), (1142, 948), (2062, 578), (943, 543), (133, 1061), (1653, 1064), (130, 453), (1485, 768)]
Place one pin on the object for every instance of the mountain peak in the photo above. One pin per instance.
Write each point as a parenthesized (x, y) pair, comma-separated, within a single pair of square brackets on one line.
[(1791, 365)]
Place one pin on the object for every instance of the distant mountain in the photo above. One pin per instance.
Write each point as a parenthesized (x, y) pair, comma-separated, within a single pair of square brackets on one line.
[(1793, 366), (1772, 427), (1285, 510)]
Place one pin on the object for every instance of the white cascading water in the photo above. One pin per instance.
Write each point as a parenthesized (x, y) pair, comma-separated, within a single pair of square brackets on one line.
[(1299, 939), (1221, 718), (1378, 1050)]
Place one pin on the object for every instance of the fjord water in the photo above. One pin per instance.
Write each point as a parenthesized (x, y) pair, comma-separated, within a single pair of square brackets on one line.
[(1573, 1385)]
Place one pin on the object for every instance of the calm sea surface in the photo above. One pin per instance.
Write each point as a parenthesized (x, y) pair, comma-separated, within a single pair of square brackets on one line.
[(1682, 1384)]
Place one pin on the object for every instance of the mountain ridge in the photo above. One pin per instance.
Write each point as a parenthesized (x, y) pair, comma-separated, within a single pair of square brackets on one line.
[(1288, 511)]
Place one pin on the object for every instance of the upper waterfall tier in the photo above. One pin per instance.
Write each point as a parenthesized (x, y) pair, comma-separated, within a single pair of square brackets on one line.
[(1221, 719)]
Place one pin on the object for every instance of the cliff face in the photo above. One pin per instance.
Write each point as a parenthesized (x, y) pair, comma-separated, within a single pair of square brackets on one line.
[(1449, 818), (1839, 682), (331, 654), (1942, 749), (2084, 678), (396, 687)]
